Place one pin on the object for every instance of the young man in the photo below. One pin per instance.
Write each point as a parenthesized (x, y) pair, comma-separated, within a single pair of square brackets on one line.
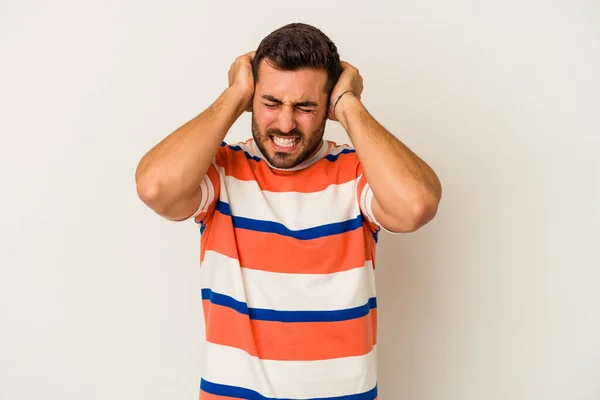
[(289, 221)]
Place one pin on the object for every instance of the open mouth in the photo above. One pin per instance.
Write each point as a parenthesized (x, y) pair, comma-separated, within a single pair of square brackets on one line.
[(284, 143)]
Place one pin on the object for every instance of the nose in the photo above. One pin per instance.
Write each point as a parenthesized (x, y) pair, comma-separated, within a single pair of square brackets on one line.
[(286, 120)]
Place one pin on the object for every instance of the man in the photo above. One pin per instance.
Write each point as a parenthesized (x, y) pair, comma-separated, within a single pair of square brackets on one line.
[(289, 221)]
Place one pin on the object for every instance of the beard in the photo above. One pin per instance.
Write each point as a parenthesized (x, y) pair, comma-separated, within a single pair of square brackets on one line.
[(307, 146)]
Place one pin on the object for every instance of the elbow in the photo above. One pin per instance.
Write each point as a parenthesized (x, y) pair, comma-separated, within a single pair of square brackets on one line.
[(426, 206), (424, 211), (148, 190), (404, 216), (415, 217), (163, 200), (151, 193), (406, 219), (160, 192)]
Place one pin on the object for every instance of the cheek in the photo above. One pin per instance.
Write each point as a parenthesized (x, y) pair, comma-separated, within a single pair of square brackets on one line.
[(263, 120), (308, 122), (265, 117)]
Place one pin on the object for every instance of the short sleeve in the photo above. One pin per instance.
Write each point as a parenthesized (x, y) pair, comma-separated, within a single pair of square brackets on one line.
[(210, 188), (365, 201), (364, 195)]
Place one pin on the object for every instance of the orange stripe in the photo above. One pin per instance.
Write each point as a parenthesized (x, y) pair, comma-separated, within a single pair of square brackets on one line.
[(300, 341), (208, 396), (313, 179), (369, 242), (277, 253), (225, 325), (221, 239)]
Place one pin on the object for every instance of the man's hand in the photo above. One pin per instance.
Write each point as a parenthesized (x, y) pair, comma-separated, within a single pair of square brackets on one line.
[(350, 79), (241, 78)]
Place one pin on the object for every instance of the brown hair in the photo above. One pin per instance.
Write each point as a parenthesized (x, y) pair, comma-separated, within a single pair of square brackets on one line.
[(298, 45)]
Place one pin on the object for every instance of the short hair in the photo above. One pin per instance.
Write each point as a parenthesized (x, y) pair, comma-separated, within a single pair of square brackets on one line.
[(299, 45)]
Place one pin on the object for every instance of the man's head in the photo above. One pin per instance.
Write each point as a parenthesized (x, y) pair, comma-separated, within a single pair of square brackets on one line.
[(295, 69)]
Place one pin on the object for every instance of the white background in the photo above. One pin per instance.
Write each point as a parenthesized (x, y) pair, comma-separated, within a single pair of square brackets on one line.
[(496, 299)]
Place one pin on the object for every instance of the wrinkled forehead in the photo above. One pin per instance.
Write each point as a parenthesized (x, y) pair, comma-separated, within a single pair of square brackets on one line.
[(304, 84)]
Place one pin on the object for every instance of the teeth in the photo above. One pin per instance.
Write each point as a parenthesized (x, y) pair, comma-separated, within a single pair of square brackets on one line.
[(284, 142)]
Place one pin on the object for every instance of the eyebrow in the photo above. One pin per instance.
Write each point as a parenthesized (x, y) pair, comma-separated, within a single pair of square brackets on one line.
[(273, 99)]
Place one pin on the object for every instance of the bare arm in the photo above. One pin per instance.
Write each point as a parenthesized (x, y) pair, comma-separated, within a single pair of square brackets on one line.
[(406, 191), (168, 177)]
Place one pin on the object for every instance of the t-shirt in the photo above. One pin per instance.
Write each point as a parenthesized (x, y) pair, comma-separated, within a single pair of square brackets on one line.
[(287, 269)]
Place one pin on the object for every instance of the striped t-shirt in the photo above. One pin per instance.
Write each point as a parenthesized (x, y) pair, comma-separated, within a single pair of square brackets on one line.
[(287, 275)]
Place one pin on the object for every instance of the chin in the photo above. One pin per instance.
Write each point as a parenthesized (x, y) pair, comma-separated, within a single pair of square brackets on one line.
[(286, 150), (284, 160)]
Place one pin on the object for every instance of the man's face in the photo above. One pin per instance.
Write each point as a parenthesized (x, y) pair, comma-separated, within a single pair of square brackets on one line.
[(289, 113)]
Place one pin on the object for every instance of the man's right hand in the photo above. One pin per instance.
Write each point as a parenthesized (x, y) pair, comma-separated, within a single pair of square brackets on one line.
[(241, 78)]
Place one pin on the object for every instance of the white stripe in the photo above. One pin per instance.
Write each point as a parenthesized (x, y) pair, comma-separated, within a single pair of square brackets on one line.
[(288, 292), (290, 379), (295, 210)]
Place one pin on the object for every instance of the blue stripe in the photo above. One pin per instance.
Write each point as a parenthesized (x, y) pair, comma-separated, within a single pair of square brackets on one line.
[(334, 158), (223, 208), (243, 393), (224, 300), (376, 235), (262, 314), (280, 229)]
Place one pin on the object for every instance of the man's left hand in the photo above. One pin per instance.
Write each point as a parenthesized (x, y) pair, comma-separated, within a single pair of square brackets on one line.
[(350, 79)]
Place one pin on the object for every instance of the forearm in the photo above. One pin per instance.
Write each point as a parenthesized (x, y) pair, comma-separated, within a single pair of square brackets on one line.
[(171, 172), (403, 185)]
